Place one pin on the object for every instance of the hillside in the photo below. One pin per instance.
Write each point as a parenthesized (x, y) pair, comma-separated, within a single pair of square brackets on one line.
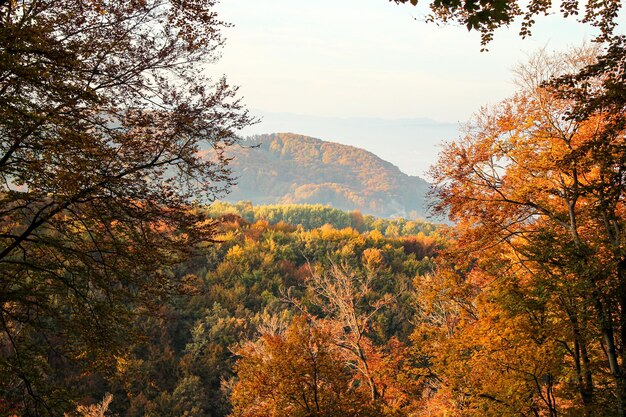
[(411, 144), (285, 168)]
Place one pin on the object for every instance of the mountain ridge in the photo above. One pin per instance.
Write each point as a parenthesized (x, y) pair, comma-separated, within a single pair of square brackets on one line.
[(412, 144), (289, 168)]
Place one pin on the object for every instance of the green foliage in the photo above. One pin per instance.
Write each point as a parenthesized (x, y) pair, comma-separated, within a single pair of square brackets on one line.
[(186, 365), (313, 216), (487, 16)]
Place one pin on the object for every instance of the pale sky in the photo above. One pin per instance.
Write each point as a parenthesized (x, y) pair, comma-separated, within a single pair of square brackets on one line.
[(372, 58)]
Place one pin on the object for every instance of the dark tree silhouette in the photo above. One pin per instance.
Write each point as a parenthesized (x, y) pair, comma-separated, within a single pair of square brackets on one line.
[(109, 130)]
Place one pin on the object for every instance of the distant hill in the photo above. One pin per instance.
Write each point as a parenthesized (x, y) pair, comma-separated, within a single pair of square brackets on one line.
[(411, 144), (285, 168)]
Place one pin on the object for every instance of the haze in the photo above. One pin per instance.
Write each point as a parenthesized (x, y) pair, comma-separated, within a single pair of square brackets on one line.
[(329, 60)]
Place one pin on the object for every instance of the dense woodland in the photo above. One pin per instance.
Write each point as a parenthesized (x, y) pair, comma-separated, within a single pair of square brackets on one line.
[(314, 216), (125, 289), (260, 281)]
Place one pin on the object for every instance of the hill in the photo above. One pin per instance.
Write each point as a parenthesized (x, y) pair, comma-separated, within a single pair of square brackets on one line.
[(411, 144), (285, 168)]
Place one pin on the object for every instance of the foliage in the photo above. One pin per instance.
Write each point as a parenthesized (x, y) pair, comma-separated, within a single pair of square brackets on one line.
[(297, 373), (110, 133), (184, 364), (95, 410), (536, 325), (103, 111), (313, 216), (486, 16), (350, 301)]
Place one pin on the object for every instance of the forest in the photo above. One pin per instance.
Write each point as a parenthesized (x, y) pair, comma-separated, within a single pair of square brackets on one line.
[(127, 288), (264, 280)]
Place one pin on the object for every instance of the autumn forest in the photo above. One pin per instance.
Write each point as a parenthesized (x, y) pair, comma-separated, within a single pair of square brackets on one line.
[(131, 285)]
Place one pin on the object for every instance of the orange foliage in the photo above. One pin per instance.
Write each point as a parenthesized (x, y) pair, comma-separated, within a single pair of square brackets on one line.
[(296, 373), (524, 317)]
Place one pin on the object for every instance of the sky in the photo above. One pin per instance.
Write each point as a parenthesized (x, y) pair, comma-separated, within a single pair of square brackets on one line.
[(338, 59)]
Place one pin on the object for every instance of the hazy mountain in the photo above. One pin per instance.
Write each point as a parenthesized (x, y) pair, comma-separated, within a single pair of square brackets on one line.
[(285, 168), (411, 144)]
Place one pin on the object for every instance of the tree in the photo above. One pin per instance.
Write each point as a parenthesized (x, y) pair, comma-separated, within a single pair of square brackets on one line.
[(347, 298), (97, 410), (109, 130), (351, 301), (487, 16), (486, 357), (537, 186), (298, 372)]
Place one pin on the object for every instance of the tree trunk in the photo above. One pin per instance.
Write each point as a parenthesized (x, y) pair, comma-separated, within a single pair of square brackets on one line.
[(374, 394), (583, 370), (619, 375)]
